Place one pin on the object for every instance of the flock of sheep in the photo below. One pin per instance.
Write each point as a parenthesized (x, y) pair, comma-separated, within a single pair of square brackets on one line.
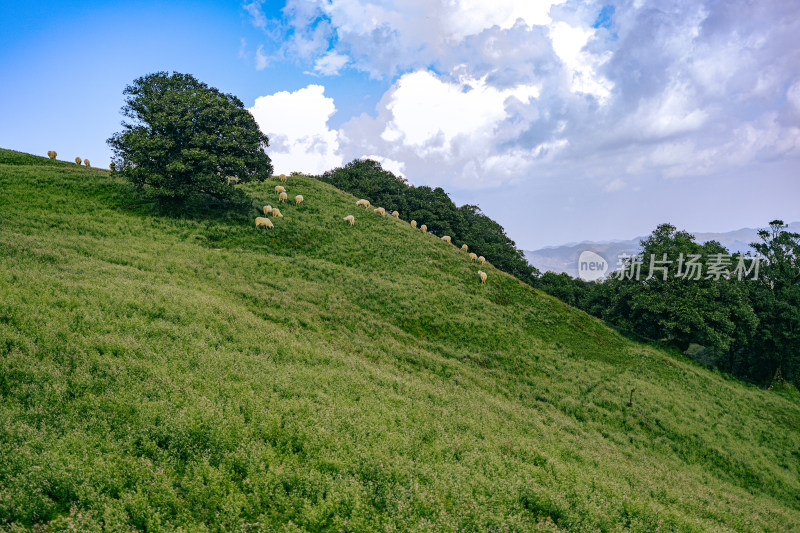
[(424, 229), (52, 154), (280, 190), (283, 196)]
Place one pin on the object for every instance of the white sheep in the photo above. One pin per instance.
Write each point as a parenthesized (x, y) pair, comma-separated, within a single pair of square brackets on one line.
[(473, 256), (351, 219), (381, 211), (283, 178), (279, 189), (78, 160), (283, 197), (298, 199), (363, 202), (86, 162), (261, 221), (483, 276), (395, 214), (423, 228), (481, 260), (267, 210), (414, 224), (277, 212), (52, 154), (447, 239), (464, 247)]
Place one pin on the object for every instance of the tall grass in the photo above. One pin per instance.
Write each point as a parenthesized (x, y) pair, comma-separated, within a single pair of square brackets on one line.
[(194, 372)]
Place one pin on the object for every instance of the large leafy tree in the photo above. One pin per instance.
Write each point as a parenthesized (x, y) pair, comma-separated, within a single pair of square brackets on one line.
[(186, 139), (775, 352)]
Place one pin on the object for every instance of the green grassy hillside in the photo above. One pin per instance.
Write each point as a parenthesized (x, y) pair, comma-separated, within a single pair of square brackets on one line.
[(161, 373)]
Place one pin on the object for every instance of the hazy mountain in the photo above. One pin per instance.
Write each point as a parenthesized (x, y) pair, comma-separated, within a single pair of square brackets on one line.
[(564, 258)]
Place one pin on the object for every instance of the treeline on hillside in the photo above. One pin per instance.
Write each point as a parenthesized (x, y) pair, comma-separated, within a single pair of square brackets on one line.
[(738, 314), (364, 178)]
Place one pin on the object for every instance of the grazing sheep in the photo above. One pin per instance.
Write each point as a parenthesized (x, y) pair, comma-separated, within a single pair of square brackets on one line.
[(481, 260), (473, 256), (464, 248), (381, 211), (267, 210), (283, 178), (279, 189), (86, 162), (283, 197), (363, 202), (277, 212), (483, 276), (423, 228), (78, 160), (261, 221), (395, 214), (52, 154), (414, 224), (447, 239), (351, 219), (298, 199)]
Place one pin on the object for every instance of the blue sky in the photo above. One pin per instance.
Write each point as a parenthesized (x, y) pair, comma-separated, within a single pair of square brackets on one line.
[(563, 120)]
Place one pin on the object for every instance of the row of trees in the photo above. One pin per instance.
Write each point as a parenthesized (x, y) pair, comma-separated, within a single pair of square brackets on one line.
[(364, 178), (748, 327)]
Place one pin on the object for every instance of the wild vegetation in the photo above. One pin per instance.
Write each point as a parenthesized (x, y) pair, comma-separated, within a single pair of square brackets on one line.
[(196, 373)]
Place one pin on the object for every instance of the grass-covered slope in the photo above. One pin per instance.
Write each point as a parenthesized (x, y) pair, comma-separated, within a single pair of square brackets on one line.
[(159, 372)]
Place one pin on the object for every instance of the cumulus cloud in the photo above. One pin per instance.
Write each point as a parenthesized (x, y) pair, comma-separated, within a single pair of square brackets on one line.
[(481, 94), (297, 125), (429, 113)]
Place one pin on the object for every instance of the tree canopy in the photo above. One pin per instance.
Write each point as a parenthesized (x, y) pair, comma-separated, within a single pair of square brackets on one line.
[(747, 325), (186, 139)]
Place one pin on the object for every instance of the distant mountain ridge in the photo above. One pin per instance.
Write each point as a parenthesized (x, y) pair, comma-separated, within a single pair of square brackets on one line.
[(564, 258)]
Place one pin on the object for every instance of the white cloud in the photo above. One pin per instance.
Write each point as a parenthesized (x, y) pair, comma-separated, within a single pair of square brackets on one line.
[(569, 43), (668, 113), (297, 125), (470, 17), (429, 113), (261, 59), (257, 16), (383, 37), (330, 64), (615, 185), (793, 96)]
